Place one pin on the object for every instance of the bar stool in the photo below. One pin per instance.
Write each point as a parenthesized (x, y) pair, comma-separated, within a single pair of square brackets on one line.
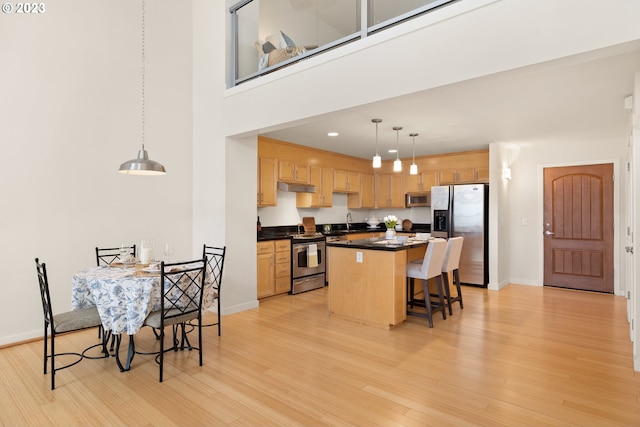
[(430, 267), (451, 264)]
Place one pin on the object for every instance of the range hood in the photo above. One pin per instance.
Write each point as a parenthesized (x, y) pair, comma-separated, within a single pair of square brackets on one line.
[(296, 188)]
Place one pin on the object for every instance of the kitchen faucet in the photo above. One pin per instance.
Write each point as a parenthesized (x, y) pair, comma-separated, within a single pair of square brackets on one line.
[(348, 220)]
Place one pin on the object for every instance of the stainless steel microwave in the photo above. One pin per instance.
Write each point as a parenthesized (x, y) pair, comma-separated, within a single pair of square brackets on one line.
[(417, 199)]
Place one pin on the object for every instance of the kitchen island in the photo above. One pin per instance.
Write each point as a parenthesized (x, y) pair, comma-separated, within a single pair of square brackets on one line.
[(367, 279)]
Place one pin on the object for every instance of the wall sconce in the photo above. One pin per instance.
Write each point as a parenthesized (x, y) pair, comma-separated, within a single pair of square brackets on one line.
[(506, 173)]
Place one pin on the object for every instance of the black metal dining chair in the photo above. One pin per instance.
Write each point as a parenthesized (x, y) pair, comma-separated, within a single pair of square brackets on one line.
[(215, 266), (106, 256), (60, 323), (182, 297)]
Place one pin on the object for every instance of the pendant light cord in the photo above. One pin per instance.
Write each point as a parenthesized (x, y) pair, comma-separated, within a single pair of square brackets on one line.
[(142, 69), (397, 129), (413, 135), (377, 138)]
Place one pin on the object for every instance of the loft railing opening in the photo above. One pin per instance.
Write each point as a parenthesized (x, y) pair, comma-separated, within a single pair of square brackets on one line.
[(270, 34)]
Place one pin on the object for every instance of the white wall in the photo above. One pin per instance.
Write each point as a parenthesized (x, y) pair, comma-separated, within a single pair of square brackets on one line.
[(525, 192), (70, 112)]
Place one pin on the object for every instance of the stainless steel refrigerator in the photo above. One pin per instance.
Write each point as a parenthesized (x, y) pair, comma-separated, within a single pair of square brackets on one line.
[(462, 210)]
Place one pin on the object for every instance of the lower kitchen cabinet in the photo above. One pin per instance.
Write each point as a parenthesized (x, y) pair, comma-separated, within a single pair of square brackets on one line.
[(274, 268)]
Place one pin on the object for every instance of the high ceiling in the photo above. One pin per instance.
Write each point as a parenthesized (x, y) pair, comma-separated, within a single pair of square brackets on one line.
[(578, 98)]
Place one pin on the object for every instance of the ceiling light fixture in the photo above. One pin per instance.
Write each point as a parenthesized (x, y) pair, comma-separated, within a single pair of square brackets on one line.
[(332, 134), (377, 160), (413, 169), (142, 165), (397, 164)]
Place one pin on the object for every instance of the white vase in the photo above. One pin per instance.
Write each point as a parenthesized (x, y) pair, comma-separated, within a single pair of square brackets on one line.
[(390, 234)]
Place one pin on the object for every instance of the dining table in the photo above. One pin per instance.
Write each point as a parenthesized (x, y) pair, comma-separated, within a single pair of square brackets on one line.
[(124, 294)]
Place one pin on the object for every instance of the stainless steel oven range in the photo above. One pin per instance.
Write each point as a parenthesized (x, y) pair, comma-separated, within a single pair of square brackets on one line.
[(308, 271)]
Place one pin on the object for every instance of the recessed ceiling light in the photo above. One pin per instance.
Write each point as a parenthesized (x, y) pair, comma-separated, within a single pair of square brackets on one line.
[(333, 134)]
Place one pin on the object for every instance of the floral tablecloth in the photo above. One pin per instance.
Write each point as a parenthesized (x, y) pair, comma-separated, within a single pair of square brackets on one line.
[(124, 299)]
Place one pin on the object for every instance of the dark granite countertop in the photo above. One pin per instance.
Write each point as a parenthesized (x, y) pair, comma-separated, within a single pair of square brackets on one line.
[(286, 231), (377, 244)]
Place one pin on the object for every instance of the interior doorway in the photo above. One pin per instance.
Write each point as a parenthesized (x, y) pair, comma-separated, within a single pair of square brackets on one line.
[(578, 227)]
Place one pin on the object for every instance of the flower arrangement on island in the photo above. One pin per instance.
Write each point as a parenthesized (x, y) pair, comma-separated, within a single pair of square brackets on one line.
[(390, 221)]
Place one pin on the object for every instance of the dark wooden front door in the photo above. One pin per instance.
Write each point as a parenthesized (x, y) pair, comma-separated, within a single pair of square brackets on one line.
[(578, 227)]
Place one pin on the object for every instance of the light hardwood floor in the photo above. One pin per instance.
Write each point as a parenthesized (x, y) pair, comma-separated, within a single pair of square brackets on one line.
[(521, 356)]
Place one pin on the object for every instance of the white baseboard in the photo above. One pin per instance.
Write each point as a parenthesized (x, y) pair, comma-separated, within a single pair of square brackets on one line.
[(15, 339), (238, 308)]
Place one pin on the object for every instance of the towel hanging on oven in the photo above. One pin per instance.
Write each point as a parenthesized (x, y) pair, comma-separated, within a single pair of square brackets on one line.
[(312, 255)]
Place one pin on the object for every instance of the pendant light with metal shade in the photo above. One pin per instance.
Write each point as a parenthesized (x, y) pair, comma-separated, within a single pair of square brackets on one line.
[(397, 164), (142, 165), (413, 169), (377, 160)]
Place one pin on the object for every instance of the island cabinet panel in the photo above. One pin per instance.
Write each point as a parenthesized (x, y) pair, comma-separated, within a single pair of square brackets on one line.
[(372, 291)]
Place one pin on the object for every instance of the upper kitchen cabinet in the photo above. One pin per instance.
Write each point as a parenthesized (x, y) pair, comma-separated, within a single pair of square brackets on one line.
[(346, 181), (322, 178), (365, 198), (267, 169), (420, 183), (463, 176), (390, 190), (293, 172)]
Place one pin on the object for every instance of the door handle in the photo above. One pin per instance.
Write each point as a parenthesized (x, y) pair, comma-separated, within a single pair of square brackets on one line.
[(549, 233), (628, 249)]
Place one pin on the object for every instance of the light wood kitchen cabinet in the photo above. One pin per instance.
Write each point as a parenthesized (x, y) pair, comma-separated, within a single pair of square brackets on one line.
[(283, 266), (346, 181), (366, 235), (274, 267), (463, 176), (267, 183), (365, 198), (266, 267), (390, 190), (482, 174), (293, 172), (420, 183), (322, 178)]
